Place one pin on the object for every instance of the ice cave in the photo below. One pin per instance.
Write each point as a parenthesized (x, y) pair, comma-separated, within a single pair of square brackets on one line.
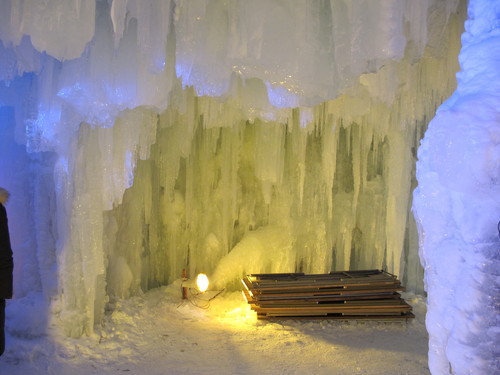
[(139, 138)]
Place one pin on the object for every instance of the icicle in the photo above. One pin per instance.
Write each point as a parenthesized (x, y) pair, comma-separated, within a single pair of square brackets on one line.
[(118, 14)]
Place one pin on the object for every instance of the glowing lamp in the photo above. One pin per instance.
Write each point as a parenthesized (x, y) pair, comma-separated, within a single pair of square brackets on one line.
[(202, 282), (193, 287)]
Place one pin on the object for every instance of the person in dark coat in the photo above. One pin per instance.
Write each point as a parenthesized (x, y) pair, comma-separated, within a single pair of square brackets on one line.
[(6, 265)]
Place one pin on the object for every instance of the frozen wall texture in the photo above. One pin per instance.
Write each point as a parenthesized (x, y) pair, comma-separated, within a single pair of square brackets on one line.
[(458, 207), (224, 137)]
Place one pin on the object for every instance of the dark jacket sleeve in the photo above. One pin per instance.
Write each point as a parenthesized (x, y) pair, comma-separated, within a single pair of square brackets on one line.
[(6, 261)]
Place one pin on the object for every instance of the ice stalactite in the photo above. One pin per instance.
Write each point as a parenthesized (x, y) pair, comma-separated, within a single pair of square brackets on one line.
[(61, 28), (457, 204), (95, 178), (327, 187)]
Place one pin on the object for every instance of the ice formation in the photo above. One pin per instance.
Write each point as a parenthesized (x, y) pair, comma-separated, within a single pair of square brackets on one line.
[(457, 205), (143, 137)]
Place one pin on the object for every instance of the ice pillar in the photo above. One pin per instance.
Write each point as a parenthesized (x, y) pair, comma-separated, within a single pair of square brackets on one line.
[(457, 204)]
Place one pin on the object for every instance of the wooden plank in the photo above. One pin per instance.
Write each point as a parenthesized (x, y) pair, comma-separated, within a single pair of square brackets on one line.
[(301, 310), (314, 292), (364, 294), (330, 308), (324, 286), (320, 288), (247, 296), (332, 275), (380, 293), (401, 317), (329, 276), (306, 302), (310, 298), (340, 276), (246, 286)]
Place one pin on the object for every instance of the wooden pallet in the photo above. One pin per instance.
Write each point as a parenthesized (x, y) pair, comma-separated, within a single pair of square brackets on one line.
[(367, 294)]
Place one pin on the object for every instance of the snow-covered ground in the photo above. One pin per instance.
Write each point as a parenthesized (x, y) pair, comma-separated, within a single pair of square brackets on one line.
[(157, 333)]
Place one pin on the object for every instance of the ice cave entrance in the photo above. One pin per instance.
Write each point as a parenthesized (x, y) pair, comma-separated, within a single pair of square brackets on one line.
[(143, 168), (249, 137)]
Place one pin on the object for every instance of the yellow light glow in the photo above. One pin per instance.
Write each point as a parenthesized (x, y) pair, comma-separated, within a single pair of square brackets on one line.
[(202, 282)]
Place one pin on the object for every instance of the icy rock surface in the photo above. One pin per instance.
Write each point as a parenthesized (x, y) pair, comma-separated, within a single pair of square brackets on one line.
[(458, 204)]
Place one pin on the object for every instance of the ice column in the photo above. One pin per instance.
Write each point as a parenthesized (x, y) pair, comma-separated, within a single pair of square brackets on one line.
[(457, 204)]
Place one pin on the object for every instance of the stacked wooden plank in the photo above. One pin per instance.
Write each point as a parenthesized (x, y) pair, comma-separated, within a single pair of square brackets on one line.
[(368, 294)]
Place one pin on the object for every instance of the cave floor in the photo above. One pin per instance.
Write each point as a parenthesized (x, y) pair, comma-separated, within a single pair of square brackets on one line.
[(159, 333)]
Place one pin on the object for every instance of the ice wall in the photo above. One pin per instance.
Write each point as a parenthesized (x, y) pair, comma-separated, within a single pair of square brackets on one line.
[(457, 204), (305, 138), (320, 188)]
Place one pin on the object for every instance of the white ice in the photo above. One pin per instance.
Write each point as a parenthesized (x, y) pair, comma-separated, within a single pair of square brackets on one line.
[(457, 205)]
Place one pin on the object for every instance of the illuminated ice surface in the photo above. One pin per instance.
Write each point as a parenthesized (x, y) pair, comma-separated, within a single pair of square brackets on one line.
[(457, 205), (142, 137)]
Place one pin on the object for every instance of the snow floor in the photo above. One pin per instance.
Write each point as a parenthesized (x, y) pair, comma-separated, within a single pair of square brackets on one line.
[(157, 333)]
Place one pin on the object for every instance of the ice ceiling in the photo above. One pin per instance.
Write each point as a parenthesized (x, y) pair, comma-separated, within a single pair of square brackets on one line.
[(143, 137)]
